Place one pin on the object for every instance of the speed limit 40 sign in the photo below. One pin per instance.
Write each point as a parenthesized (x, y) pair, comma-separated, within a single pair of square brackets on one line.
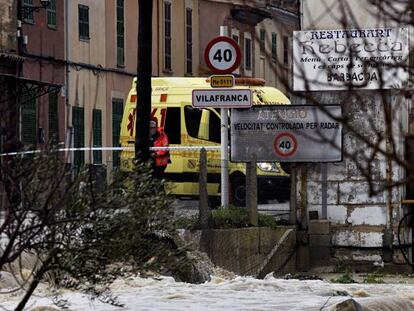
[(285, 144), (222, 55)]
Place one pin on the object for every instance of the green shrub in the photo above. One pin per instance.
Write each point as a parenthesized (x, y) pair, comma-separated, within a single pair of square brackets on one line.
[(374, 278), (227, 218), (345, 278), (231, 217), (267, 221)]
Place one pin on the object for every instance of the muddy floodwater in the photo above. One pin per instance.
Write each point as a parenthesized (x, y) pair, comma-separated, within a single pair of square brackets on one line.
[(236, 293)]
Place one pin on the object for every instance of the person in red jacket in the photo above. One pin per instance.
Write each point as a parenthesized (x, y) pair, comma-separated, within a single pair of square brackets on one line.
[(161, 158)]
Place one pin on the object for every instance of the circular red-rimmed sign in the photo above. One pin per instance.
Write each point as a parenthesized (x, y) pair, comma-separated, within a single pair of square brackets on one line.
[(285, 144), (222, 55)]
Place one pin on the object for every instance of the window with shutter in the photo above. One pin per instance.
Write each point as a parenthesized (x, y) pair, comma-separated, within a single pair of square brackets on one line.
[(189, 41), (53, 118), (274, 46), (78, 121), (286, 50), (83, 16), (97, 135), (28, 13), (167, 35), (51, 14), (247, 53), (262, 42), (117, 111), (29, 117), (120, 33)]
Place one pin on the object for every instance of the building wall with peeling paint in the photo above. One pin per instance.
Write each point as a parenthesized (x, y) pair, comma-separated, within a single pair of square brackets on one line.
[(360, 208), (8, 25)]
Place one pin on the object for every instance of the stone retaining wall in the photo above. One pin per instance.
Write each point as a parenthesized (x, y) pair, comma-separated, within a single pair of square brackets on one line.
[(244, 250)]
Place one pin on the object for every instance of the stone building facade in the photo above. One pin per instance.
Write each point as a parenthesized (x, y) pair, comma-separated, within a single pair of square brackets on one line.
[(363, 211)]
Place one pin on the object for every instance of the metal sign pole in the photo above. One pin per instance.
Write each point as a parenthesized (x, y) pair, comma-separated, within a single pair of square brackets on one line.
[(224, 146), (324, 173)]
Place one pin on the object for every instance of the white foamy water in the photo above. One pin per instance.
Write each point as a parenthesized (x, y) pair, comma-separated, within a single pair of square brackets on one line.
[(240, 293)]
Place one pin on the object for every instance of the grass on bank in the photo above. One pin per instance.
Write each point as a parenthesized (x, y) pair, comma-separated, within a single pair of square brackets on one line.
[(375, 277)]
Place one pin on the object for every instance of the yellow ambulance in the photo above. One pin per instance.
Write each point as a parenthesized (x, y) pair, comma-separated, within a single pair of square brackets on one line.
[(189, 128)]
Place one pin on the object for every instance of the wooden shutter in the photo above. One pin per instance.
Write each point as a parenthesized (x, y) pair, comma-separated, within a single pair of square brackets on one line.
[(117, 112), (29, 117), (97, 135), (78, 121), (53, 118)]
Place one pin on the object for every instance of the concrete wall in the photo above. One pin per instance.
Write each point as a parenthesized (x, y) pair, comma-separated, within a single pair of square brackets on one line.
[(359, 220), (244, 250)]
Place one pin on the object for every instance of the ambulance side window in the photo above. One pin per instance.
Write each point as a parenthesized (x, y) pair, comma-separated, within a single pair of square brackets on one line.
[(173, 125), (192, 120), (214, 128)]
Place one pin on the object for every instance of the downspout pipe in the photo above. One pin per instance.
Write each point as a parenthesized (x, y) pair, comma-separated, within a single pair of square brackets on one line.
[(20, 52), (69, 126)]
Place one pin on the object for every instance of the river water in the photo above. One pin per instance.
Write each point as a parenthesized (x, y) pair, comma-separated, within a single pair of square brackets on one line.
[(237, 293)]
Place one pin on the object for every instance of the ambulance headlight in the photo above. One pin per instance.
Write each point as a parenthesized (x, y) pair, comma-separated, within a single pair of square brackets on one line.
[(268, 167)]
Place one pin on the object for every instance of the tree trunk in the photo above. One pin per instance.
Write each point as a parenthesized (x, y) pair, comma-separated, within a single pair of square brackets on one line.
[(38, 275), (143, 108)]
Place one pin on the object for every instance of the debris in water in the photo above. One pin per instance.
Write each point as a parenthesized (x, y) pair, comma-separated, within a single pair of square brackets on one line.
[(360, 293)]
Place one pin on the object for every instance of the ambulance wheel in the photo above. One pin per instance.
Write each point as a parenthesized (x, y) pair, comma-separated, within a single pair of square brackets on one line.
[(238, 190)]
